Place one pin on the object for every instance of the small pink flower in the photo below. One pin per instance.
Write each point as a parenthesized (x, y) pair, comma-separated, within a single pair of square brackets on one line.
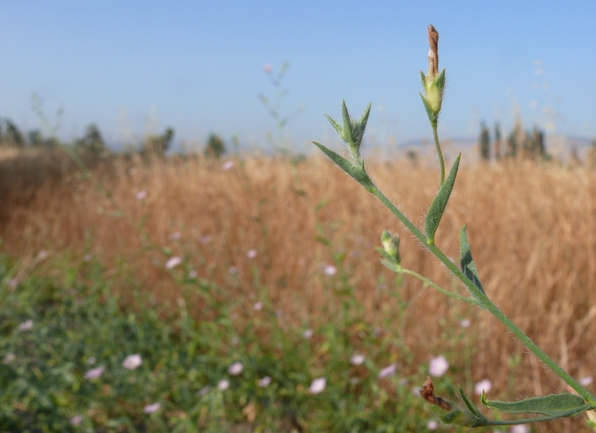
[(141, 195), (76, 420), (94, 373), (87, 257), (438, 366), (227, 165), (251, 254), (12, 283), (8, 358), (175, 236), (318, 385), (258, 306), (152, 408), (465, 323), (357, 359), (235, 369), (522, 428), (91, 360), (43, 254), (484, 385), (585, 381), (223, 384), (267, 69), (264, 382), (330, 270), (193, 274), (308, 334), (173, 262), (432, 425), (388, 371), (132, 361), (26, 325), (205, 240)]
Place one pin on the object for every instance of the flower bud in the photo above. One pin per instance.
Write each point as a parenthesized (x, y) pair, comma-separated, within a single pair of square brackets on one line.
[(391, 245), (433, 82)]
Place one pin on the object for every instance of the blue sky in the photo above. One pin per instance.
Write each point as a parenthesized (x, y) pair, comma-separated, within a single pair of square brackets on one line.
[(136, 66)]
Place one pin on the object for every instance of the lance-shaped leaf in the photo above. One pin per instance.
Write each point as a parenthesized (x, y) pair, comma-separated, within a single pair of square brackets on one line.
[(468, 266), (552, 405), (356, 172), (471, 406), (348, 135), (433, 218)]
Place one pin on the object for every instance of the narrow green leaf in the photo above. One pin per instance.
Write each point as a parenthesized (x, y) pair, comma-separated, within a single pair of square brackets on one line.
[(433, 218), (468, 266), (335, 125), (356, 172), (471, 406), (348, 135), (554, 405)]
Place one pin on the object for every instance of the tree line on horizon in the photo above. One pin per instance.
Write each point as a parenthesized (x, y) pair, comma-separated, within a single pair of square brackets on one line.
[(93, 142), (528, 144)]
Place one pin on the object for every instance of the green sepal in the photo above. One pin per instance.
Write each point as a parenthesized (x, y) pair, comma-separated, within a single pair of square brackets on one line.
[(356, 172), (432, 116), (559, 405), (468, 266), (423, 79), (433, 217), (385, 254)]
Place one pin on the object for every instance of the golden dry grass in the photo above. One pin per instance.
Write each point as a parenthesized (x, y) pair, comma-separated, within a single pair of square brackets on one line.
[(531, 229)]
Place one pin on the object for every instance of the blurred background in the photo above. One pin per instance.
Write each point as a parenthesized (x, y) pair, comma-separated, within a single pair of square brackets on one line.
[(136, 68)]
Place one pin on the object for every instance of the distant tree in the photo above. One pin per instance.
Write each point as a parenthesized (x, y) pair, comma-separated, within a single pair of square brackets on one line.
[(484, 143), (35, 138), (13, 134), (92, 140), (215, 147), (159, 145), (538, 146), (497, 141)]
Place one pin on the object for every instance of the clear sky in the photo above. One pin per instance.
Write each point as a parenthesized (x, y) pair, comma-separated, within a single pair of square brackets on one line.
[(130, 66)]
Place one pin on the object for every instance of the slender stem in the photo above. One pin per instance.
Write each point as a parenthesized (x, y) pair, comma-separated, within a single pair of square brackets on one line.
[(435, 286), (486, 303), (439, 151)]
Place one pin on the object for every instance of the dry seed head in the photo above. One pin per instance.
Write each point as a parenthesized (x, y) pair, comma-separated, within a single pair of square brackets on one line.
[(433, 53)]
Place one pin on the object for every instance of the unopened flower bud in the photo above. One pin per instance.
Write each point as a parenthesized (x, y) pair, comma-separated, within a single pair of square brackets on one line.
[(391, 245), (433, 82)]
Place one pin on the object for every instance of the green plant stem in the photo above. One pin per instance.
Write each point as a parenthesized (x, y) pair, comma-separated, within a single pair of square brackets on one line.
[(439, 151), (486, 303), (435, 286)]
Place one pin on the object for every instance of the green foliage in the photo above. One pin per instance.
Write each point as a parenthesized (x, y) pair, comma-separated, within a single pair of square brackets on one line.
[(49, 377), (92, 141), (158, 145), (215, 147), (437, 208), (552, 406)]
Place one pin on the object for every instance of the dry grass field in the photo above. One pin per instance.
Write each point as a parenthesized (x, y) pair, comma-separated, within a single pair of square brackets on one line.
[(531, 227)]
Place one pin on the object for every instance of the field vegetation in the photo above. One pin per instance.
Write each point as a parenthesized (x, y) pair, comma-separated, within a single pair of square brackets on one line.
[(220, 273)]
